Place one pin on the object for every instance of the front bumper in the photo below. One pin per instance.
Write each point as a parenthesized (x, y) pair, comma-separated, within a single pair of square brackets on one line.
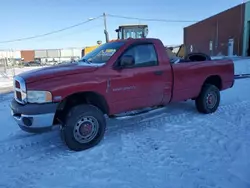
[(34, 118)]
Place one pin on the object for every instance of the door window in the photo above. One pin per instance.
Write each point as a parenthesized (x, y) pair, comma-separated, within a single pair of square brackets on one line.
[(144, 55)]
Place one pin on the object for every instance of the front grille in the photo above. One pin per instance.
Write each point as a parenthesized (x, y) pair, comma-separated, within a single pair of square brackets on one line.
[(19, 90), (19, 95), (17, 84)]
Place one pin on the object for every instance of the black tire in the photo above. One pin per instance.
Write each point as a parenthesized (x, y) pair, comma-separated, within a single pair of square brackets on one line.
[(197, 56), (71, 130), (203, 103)]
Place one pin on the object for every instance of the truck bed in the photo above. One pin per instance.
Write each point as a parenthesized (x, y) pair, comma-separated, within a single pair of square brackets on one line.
[(190, 76)]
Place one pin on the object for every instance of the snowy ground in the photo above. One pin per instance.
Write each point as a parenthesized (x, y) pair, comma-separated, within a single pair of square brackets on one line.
[(173, 147), (242, 66), (6, 78)]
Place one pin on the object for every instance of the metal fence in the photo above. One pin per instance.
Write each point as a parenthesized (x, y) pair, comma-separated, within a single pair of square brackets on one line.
[(7, 67), (11, 59)]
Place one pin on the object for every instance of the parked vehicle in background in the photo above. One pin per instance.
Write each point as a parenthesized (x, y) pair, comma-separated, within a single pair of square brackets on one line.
[(116, 77), (31, 63)]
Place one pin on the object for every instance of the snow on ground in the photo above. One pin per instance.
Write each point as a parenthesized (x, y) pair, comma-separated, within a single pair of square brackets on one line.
[(170, 147), (6, 79), (242, 66), (223, 57)]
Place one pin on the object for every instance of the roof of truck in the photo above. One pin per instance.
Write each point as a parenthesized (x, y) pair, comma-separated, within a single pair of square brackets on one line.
[(136, 39)]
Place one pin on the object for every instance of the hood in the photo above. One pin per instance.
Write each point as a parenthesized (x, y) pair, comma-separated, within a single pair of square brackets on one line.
[(55, 71)]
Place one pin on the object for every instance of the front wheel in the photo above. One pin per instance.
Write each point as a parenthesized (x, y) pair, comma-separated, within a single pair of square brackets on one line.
[(84, 127), (209, 99)]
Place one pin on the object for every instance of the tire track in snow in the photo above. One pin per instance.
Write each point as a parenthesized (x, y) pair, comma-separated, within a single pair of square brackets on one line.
[(30, 146), (179, 118), (235, 134), (26, 140), (48, 139), (51, 137), (48, 148), (207, 124), (50, 143), (204, 148), (164, 158)]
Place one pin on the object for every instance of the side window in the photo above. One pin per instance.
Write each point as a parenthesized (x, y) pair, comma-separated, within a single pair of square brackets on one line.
[(144, 55)]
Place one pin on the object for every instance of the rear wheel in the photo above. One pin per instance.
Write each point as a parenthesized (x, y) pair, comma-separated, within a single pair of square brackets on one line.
[(209, 99), (84, 127)]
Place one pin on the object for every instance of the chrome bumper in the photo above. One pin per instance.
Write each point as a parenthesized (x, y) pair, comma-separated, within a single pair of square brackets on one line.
[(33, 118), (34, 123)]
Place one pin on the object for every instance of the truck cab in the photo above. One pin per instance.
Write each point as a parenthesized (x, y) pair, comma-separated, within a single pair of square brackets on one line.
[(132, 31)]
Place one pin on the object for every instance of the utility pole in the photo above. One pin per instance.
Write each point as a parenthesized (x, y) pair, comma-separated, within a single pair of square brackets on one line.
[(105, 27)]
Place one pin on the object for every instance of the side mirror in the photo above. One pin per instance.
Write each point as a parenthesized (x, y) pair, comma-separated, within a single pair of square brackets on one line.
[(127, 61)]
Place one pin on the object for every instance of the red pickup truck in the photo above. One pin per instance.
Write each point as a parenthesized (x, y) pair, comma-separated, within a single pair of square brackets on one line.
[(116, 77)]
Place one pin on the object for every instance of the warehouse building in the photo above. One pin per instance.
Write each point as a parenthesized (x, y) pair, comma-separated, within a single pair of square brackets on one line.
[(50, 55), (43, 54), (28, 55), (226, 33), (246, 32)]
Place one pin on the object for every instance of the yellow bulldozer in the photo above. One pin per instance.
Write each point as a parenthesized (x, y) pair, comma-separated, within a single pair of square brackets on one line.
[(137, 31), (177, 51), (132, 31), (123, 32)]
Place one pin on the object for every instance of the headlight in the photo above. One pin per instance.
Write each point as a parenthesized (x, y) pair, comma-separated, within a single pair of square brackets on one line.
[(39, 96)]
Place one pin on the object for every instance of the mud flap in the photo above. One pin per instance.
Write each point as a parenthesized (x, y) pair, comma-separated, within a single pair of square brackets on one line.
[(62, 133)]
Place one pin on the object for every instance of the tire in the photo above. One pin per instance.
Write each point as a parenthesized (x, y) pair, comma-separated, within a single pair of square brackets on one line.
[(197, 54), (79, 119), (209, 99)]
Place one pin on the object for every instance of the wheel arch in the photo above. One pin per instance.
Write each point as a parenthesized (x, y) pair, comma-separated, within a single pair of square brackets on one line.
[(86, 97), (214, 80)]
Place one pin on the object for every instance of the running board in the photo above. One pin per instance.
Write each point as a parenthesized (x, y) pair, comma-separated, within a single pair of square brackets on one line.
[(134, 113)]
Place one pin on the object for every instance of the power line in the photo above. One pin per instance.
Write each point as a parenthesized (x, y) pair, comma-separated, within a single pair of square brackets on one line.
[(148, 19), (72, 33), (89, 20), (52, 32)]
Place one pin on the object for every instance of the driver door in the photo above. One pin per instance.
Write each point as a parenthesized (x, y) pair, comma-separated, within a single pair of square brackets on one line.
[(138, 86)]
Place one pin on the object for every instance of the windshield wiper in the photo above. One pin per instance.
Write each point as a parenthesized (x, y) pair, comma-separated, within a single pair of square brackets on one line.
[(85, 60)]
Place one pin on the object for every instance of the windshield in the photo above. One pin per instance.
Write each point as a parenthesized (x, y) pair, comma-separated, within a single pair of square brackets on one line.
[(133, 33), (101, 54)]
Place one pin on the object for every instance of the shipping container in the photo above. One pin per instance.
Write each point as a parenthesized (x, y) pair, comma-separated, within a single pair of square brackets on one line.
[(53, 53), (67, 53), (40, 53), (88, 49), (28, 55), (219, 34)]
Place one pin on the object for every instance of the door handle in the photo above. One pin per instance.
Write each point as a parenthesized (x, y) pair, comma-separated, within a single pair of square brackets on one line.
[(158, 73)]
